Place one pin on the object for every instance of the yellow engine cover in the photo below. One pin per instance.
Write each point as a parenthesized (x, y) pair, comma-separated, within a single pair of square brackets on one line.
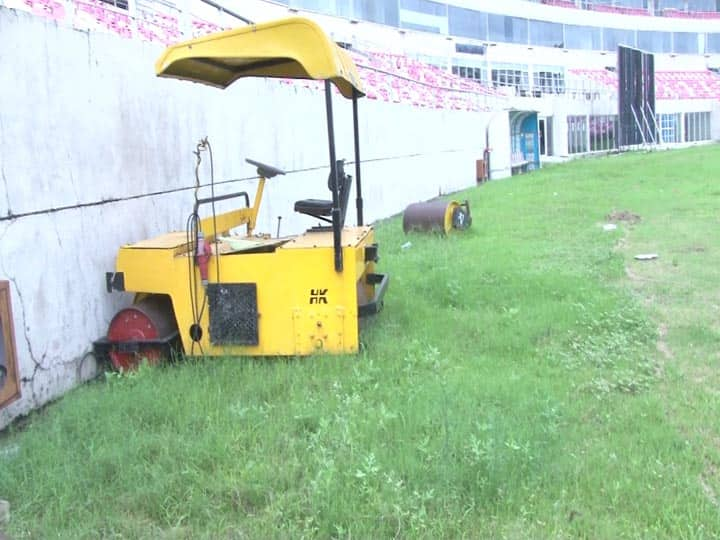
[(292, 301)]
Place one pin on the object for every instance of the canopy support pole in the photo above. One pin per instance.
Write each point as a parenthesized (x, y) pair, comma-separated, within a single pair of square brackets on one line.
[(358, 183), (336, 225)]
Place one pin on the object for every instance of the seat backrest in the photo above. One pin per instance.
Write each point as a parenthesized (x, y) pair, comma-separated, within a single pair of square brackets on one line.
[(345, 185)]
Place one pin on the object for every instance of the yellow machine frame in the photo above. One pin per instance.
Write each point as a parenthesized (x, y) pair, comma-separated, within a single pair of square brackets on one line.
[(257, 295)]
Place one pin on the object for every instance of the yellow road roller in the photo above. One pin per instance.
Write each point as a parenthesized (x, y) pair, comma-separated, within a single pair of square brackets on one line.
[(212, 290)]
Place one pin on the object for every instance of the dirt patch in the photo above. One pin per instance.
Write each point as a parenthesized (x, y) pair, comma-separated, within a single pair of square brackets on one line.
[(706, 478), (709, 491), (694, 249), (622, 215), (649, 299), (661, 344)]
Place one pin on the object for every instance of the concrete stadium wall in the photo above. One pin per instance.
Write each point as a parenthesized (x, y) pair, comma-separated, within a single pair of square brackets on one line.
[(95, 151)]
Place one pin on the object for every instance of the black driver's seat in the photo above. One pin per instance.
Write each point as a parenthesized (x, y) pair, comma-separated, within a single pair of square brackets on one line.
[(322, 209)]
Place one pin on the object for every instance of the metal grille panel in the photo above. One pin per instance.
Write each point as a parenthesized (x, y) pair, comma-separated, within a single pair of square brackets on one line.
[(233, 313)]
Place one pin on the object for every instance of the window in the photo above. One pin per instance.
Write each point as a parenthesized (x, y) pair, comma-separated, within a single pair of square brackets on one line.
[(583, 37), (120, 4), (367, 10), (546, 34), (469, 48), (423, 6), (659, 42), (548, 82), (321, 6), (612, 37), (629, 3), (697, 126), (685, 42), (702, 5), (603, 132), (634, 4), (577, 134), (467, 23), (469, 72), (712, 43), (517, 78), (422, 15), (9, 376), (669, 127), (379, 12), (343, 8), (508, 29)]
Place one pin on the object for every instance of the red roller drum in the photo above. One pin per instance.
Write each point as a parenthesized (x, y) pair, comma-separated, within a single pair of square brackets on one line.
[(149, 319)]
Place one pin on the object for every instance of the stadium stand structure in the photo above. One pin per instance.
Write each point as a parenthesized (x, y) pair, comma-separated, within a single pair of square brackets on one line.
[(525, 56), (388, 77)]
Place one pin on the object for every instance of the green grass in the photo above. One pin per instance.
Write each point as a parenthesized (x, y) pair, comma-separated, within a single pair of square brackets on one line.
[(516, 385)]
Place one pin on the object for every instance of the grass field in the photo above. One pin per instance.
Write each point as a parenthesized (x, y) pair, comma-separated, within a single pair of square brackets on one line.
[(527, 379)]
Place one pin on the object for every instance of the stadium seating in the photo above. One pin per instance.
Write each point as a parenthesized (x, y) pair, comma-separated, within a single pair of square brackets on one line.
[(400, 79), (668, 84), (670, 12), (622, 10), (560, 3), (687, 85), (625, 10), (46, 8), (387, 77)]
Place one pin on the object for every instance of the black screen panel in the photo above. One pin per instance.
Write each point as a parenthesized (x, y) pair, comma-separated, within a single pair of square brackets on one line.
[(636, 97)]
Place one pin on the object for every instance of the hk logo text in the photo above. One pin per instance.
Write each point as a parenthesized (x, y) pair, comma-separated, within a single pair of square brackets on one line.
[(318, 296)]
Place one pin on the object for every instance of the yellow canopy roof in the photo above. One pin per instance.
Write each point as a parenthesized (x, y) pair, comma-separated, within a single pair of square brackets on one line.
[(294, 48)]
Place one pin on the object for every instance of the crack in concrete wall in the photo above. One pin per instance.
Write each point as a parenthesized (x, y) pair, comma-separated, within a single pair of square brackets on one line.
[(82, 370), (26, 380), (4, 179)]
